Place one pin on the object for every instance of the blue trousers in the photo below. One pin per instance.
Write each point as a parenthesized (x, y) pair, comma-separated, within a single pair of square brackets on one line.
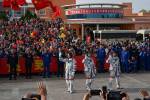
[(125, 66), (101, 65), (46, 71)]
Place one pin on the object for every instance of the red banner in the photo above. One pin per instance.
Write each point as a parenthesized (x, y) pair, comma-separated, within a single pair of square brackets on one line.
[(92, 10), (38, 65)]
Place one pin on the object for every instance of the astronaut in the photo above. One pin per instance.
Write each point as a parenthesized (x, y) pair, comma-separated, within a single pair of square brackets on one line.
[(70, 69), (90, 70), (114, 69)]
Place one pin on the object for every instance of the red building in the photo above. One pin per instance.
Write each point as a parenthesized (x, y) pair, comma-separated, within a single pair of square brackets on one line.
[(108, 18)]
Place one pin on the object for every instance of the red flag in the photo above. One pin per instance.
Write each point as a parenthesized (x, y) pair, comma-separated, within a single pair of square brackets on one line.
[(6, 3), (57, 12), (52, 6), (40, 4), (14, 5), (21, 2)]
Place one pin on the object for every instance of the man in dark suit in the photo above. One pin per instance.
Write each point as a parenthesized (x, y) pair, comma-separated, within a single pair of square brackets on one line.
[(60, 56), (28, 63), (13, 62)]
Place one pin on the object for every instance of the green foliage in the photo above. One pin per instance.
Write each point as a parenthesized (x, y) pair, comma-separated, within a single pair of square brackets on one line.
[(3, 16), (28, 15), (144, 11)]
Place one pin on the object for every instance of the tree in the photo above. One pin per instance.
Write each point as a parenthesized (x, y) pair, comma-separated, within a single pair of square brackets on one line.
[(143, 11), (3, 16), (28, 15)]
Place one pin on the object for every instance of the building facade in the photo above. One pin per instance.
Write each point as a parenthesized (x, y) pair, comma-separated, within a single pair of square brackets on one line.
[(45, 13), (108, 18)]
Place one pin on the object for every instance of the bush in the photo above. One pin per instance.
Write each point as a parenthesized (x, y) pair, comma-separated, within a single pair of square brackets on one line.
[(3, 16), (28, 15)]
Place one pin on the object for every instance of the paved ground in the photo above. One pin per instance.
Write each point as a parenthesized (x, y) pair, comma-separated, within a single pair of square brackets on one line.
[(14, 90)]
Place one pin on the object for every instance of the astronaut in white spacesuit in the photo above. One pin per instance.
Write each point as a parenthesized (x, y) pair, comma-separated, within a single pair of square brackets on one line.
[(89, 69), (114, 69), (70, 68)]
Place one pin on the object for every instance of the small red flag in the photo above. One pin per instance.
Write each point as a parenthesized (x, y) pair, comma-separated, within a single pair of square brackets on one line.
[(57, 12)]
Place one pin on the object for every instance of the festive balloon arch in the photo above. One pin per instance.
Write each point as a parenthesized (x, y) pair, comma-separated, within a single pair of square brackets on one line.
[(38, 65), (38, 4)]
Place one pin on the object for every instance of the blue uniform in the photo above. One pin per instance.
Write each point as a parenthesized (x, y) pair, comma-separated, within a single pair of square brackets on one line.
[(46, 63), (148, 60), (124, 61), (133, 66), (142, 60), (101, 54)]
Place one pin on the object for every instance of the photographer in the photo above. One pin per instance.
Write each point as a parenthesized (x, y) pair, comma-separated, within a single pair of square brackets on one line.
[(105, 95)]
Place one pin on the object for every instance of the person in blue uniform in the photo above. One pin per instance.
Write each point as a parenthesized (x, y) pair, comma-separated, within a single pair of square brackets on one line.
[(142, 59), (148, 59), (46, 57), (125, 60), (101, 54), (133, 64)]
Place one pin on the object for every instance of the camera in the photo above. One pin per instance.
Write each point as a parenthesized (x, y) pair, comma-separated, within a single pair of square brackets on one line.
[(114, 95), (97, 92), (27, 99), (33, 97)]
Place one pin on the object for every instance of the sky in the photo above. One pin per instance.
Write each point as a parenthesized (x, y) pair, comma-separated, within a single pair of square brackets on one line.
[(137, 4)]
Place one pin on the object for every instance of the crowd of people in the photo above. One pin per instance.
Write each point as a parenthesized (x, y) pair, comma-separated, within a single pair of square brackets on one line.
[(103, 95), (37, 37)]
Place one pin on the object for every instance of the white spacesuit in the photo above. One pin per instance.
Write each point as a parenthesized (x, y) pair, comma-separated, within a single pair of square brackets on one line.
[(114, 70), (69, 73), (90, 71)]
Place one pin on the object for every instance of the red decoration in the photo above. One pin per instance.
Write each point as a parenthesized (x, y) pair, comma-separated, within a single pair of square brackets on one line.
[(21, 2), (6, 3), (14, 5), (40, 4)]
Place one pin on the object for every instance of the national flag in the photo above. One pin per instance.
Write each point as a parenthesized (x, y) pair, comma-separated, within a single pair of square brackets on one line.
[(6, 3), (21, 2), (14, 5)]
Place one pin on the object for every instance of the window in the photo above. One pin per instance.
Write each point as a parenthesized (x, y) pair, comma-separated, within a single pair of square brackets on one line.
[(42, 12), (18, 13), (98, 15)]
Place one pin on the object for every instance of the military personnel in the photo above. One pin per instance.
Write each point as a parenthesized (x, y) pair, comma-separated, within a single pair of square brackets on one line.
[(13, 62), (46, 57), (28, 63)]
